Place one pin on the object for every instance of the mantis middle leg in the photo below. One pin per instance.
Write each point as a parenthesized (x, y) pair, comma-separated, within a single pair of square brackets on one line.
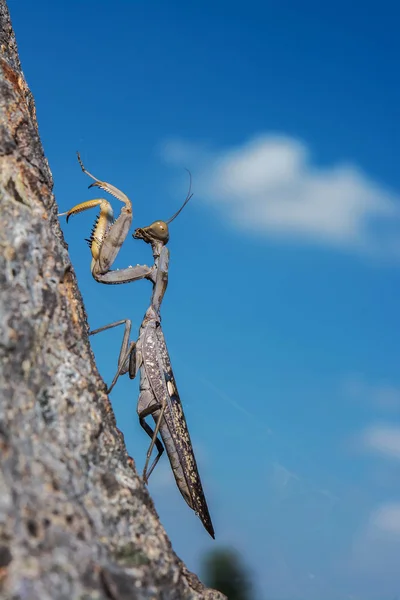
[(127, 354)]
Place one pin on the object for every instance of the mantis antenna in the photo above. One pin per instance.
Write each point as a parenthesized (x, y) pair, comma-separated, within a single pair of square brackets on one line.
[(189, 195)]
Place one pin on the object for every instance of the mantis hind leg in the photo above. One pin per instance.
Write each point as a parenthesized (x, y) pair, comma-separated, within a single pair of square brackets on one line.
[(153, 434)]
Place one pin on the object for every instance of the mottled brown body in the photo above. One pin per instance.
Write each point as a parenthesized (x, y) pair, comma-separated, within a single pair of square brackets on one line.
[(158, 386)]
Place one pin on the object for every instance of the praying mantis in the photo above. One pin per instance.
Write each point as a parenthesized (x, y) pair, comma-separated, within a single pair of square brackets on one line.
[(158, 393)]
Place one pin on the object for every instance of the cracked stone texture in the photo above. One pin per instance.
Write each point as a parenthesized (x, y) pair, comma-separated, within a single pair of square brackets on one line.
[(76, 522)]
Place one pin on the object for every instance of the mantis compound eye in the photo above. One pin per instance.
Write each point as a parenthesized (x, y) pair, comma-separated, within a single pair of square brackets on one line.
[(159, 230)]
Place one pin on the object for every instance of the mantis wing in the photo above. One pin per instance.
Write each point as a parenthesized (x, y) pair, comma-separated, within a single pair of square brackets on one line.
[(174, 431)]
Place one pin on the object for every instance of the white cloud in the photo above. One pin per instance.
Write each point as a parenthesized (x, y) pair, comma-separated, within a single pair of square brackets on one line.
[(268, 185), (386, 519), (376, 547), (383, 439), (383, 395)]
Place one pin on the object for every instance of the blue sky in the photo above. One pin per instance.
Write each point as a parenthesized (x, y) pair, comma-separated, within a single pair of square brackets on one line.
[(281, 314)]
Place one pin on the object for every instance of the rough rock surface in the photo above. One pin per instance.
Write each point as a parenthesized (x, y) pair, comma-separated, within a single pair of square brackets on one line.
[(76, 521)]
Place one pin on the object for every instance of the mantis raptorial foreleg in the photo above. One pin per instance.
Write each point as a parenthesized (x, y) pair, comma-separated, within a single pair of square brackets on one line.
[(108, 235), (107, 187)]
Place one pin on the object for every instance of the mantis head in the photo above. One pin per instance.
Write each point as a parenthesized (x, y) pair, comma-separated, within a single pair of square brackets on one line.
[(158, 231)]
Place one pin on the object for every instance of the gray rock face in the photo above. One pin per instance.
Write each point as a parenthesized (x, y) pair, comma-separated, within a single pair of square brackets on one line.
[(76, 522)]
